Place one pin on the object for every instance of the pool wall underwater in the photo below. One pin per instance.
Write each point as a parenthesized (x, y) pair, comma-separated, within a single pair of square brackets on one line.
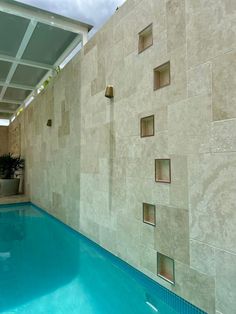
[(28, 229), (103, 159)]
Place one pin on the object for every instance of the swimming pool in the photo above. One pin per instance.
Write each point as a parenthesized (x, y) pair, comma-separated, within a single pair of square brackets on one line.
[(46, 267)]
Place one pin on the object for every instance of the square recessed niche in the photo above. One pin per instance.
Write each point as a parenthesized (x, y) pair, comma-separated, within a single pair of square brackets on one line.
[(145, 39), (163, 170), (162, 76), (166, 268), (147, 126), (149, 214)]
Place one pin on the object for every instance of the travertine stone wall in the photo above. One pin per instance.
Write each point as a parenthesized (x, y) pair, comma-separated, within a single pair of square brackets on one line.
[(92, 170), (3, 140), (15, 139)]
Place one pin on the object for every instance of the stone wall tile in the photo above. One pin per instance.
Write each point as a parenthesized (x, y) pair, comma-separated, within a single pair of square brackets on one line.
[(210, 24), (194, 286), (223, 86), (202, 258), (225, 282), (212, 192), (172, 233), (176, 28), (223, 136), (200, 80)]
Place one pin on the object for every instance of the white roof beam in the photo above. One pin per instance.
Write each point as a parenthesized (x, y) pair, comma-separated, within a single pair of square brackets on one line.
[(14, 102), (26, 62), (19, 86), (85, 38), (23, 45), (6, 110)]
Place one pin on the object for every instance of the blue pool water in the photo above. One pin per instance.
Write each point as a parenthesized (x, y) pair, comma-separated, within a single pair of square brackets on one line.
[(45, 267)]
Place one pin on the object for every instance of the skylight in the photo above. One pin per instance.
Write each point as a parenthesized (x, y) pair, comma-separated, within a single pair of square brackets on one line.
[(36, 43), (4, 122)]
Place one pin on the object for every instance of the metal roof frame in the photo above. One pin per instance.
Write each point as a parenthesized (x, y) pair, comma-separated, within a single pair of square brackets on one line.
[(35, 16)]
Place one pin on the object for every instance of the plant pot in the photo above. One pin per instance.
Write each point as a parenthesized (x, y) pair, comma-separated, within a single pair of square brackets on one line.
[(9, 186)]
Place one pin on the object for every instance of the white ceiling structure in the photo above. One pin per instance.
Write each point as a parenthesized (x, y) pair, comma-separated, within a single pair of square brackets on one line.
[(33, 43)]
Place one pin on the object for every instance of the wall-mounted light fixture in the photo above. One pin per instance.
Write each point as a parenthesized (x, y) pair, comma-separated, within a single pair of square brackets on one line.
[(109, 91), (49, 122)]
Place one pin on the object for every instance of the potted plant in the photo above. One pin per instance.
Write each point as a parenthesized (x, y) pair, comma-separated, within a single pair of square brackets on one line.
[(9, 165)]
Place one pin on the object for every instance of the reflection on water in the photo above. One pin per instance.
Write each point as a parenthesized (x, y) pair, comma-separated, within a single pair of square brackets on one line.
[(35, 258), (10, 232), (45, 268)]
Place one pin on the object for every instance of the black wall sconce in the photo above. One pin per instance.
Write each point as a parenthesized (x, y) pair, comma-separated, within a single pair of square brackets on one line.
[(49, 123), (109, 93)]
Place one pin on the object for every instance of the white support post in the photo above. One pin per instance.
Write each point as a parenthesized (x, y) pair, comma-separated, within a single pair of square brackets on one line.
[(85, 38)]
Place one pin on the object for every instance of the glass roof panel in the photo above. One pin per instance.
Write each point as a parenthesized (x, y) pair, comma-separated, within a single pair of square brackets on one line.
[(47, 44), (4, 115), (6, 106), (27, 75), (12, 30), (4, 69), (16, 94)]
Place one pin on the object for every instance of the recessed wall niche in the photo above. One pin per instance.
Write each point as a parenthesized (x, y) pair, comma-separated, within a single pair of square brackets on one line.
[(147, 126), (149, 214), (165, 268), (162, 76), (145, 39), (163, 170)]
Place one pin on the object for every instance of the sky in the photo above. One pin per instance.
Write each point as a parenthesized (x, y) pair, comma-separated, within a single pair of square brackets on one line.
[(95, 12)]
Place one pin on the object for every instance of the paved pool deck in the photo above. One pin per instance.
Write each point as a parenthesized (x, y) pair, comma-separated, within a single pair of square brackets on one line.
[(21, 198)]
